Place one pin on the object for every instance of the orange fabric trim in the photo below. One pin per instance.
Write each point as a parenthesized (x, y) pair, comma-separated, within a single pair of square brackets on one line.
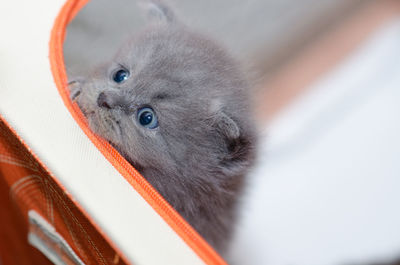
[(26, 184), (138, 182)]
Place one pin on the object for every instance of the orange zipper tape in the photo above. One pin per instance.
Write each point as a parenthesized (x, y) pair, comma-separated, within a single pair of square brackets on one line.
[(137, 181)]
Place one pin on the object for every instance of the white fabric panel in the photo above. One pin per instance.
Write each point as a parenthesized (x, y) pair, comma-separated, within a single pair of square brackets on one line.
[(327, 189), (30, 102)]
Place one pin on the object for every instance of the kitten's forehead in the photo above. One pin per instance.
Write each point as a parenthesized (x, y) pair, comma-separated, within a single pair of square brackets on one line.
[(170, 64), (157, 43)]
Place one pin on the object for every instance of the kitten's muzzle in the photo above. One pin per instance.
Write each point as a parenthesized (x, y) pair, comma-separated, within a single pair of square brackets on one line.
[(111, 100), (102, 101)]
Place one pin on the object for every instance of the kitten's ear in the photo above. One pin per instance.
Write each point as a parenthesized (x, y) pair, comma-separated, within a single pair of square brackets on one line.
[(158, 10), (239, 144), (226, 126)]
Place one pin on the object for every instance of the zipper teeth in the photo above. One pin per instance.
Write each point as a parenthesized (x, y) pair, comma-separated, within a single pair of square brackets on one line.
[(56, 58), (136, 180)]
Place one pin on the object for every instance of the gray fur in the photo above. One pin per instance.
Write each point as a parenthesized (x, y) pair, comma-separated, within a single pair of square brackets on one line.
[(199, 155)]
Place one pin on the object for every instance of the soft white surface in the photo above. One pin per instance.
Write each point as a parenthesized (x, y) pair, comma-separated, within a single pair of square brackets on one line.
[(30, 102), (327, 190)]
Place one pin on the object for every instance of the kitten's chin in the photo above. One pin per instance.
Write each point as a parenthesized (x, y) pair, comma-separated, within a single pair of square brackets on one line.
[(105, 126), (131, 161), (136, 165)]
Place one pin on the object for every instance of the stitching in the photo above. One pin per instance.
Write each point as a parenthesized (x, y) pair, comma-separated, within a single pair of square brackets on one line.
[(20, 184), (23, 153), (28, 181), (49, 200), (51, 203), (14, 161), (23, 190), (72, 234), (27, 198), (78, 223)]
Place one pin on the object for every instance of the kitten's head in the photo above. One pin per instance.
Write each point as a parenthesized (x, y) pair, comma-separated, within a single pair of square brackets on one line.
[(171, 100)]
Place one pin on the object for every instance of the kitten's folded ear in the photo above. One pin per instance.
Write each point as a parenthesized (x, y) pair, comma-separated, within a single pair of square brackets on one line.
[(239, 144), (227, 127), (158, 10)]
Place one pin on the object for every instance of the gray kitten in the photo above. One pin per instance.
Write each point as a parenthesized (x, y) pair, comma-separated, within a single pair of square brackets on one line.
[(177, 107)]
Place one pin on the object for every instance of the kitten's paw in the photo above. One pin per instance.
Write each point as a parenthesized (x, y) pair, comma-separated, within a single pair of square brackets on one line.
[(74, 89)]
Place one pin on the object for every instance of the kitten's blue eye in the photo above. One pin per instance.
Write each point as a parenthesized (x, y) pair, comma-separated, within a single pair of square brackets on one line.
[(147, 118), (120, 76)]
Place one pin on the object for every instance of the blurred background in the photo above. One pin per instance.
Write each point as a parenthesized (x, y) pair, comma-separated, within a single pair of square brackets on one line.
[(326, 86)]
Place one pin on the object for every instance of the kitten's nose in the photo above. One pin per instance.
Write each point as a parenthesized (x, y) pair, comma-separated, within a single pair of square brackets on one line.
[(102, 101)]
